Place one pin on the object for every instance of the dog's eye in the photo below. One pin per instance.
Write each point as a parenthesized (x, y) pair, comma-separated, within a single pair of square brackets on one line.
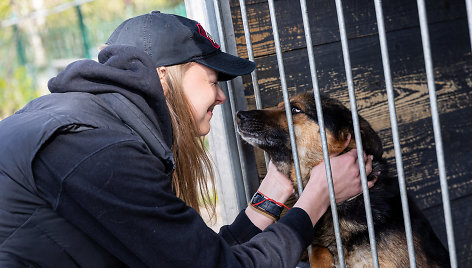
[(295, 110)]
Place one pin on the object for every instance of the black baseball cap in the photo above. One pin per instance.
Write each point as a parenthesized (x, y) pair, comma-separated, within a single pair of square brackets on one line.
[(171, 39)]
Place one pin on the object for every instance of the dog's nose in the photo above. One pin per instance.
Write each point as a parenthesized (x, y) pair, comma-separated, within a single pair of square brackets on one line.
[(241, 115)]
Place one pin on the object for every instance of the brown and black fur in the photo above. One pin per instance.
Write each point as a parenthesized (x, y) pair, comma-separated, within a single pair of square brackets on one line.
[(268, 130)]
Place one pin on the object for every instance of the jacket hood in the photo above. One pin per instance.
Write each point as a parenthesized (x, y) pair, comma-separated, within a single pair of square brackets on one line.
[(120, 69)]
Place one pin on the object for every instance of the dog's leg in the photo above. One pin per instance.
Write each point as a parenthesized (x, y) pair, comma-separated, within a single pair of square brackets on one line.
[(321, 258)]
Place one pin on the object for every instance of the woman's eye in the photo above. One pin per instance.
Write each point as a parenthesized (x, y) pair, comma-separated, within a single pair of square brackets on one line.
[(295, 110)]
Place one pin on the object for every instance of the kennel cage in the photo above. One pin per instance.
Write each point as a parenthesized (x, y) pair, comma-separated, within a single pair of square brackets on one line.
[(403, 65)]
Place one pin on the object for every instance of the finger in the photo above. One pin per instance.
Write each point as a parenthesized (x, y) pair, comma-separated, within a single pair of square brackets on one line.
[(365, 158), (352, 152), (371, 183), (368, 164), (355, 157)]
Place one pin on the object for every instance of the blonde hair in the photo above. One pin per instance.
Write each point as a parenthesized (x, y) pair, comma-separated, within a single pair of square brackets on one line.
[(194, 173), (193, 178)]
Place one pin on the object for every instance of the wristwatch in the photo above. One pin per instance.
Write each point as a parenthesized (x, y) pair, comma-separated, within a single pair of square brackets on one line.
[(266, 206)]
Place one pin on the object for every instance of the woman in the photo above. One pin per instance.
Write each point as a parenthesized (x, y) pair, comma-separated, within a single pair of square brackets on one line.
[(107, 170)]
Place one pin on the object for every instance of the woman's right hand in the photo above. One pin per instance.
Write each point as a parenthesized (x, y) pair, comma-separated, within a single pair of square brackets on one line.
[(346, 180)]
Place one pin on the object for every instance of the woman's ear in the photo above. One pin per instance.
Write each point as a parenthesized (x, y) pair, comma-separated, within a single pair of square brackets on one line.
[(161, 71)]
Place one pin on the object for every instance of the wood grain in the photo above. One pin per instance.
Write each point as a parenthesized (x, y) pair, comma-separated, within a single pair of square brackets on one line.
[(359, 16)]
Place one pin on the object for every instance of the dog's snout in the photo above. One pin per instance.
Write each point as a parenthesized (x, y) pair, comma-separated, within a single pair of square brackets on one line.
[(241, 115)]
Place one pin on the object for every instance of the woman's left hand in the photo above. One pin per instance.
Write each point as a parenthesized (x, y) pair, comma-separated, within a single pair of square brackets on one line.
[(276, 186)]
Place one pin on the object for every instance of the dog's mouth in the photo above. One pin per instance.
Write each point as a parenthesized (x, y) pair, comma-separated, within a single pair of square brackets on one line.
[(245, 134), (263, 140), (253, 138), (247, 131)]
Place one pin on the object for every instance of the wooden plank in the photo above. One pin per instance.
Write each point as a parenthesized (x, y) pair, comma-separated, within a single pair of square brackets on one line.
[(462, 220), (419, 157), (450, 50), (359, 17)]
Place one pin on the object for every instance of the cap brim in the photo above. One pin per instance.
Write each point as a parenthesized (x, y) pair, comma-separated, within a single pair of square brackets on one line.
[(227, 65)]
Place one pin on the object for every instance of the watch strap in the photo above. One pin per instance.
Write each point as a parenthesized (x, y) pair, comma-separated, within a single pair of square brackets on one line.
[(266, 205)]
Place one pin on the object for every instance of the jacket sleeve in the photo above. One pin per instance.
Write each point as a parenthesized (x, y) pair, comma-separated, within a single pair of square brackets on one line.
[(116, 192), (240, 231)]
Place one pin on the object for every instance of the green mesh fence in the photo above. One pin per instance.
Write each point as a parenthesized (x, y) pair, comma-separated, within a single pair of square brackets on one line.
[(25, 66)]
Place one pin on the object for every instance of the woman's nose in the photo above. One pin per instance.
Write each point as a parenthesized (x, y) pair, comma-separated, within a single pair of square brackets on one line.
[(221, 97)]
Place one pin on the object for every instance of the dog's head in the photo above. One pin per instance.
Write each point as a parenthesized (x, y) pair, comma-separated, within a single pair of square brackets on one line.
[(268, 130)]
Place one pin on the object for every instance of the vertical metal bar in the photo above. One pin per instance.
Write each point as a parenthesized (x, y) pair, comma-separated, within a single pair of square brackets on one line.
[(19, 45), (288, 109), (255, 85), (324, 144), (83, 31), (468, 4), (395, 136), (437, 130), (242, 159), (357, 132), (250, 53)]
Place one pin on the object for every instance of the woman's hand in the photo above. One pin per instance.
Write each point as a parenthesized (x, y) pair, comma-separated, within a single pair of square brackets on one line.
[(346, 174), (275, 185), (346, 180)]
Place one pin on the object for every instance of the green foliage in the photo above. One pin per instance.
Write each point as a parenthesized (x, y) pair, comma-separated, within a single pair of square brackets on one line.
[(15, 91), (5, 9), (60, 33), (60, 38)]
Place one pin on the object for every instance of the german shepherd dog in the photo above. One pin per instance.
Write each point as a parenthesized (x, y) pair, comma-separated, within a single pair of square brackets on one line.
[(268, 130)]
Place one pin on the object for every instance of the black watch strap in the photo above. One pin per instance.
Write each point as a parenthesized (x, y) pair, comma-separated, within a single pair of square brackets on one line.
[(266, 205)]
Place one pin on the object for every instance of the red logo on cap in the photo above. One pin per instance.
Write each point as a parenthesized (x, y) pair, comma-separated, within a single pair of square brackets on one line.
[(205, 34)]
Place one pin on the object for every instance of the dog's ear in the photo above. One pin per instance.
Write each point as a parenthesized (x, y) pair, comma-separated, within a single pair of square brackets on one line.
[(338, 120)]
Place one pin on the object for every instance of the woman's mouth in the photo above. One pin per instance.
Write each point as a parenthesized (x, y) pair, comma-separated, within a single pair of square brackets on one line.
[(210, 110)]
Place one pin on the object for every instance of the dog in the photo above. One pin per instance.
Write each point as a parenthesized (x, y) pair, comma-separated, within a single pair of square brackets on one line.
[(268, 130)]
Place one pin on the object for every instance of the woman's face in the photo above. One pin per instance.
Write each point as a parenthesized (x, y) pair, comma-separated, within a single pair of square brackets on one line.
[(200, 86)]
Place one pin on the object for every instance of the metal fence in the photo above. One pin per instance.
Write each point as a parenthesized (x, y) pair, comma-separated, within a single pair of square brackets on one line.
[(392, 112)]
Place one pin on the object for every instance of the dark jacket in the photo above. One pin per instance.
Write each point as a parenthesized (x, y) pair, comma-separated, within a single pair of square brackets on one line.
[(85, 181)]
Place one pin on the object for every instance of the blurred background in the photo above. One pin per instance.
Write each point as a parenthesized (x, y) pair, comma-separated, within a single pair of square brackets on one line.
[(38, 38)]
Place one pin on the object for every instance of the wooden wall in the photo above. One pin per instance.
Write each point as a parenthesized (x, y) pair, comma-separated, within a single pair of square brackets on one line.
[(452, 61)]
